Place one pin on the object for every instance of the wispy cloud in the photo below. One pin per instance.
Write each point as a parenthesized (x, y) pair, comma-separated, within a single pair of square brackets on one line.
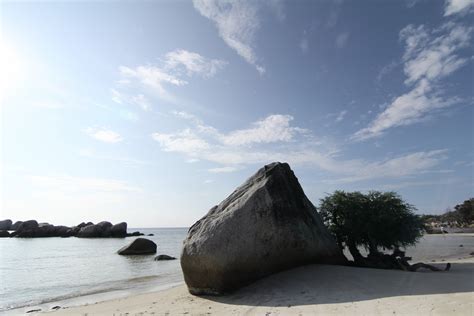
[(237, 23), (341, 115), (458, 6), (223, 169), (304, 45), (93, 155), (275, 139), (341, 39), (274, 128), (387, 69), (67, 183), (104, 135), (174, 70), (193, 63), (429, 57), (141, 101)]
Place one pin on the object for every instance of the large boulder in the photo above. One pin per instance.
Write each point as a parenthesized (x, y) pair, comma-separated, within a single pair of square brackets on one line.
[(101, 229), (119, 230), (6, 224), (16, 225), (90, 231), (28, 225), (266, 225), (140, 246), (4, 233)]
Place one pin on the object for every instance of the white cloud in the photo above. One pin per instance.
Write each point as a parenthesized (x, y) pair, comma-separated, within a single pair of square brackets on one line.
[(429, 57), (185, 142), (274, 128), (153, 77), (104, 135), (405, 165), (458, 6), (341, 40), (193, 63), (433, 57), (237, 23), (274, 139), (223, 169), (406, 109), (174, 70)]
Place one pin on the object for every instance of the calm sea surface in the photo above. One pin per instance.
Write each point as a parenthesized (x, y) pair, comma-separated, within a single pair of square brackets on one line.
[(42, 270)]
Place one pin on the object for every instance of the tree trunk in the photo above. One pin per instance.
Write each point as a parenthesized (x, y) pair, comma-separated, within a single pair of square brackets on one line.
[(354, 252)]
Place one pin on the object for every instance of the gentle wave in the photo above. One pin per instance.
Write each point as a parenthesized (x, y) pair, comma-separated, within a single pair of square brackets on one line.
[(89, 289)]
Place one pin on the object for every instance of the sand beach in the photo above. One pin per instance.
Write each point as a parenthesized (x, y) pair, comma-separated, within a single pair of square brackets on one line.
[(314, 290)]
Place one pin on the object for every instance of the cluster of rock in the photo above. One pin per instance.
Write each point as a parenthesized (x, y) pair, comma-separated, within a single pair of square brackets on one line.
[(33, 229), (266, 225)]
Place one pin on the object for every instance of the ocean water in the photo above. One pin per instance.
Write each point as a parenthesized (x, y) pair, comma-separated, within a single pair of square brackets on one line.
[(36, 271), (72, 271)]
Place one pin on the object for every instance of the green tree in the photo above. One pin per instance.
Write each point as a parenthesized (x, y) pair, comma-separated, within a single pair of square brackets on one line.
[(377, 220), (466, 211)]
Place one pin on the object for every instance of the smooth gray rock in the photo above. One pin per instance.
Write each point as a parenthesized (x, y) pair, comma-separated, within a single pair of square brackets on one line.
[(98, 230), (16, 225), (91, 231), (119, 230), (266, 225), (6, 224), (28, 225), (164, 257), (140, 246)]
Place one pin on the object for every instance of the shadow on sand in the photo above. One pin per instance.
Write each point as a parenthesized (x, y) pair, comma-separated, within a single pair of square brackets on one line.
[(323, 284)]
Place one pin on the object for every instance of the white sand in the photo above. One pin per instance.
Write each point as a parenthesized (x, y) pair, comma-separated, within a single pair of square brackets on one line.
[(315, 290)]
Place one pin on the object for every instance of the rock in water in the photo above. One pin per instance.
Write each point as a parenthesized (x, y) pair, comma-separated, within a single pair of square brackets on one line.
[(119, 230), (164, 257), (266, 225), (6, 224), (16, 225), (140, 246)]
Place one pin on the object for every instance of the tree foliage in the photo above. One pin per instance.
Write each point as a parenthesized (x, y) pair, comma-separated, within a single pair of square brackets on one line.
[(374, 220)]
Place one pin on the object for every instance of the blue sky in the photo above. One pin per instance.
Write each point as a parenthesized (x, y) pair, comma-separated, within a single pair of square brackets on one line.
[(151, 112)]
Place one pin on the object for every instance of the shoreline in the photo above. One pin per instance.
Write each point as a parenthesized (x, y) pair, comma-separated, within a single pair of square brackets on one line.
[(308, 289), (452, 254)]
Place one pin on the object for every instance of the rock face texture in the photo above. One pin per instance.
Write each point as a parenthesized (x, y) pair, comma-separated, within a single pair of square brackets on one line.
[(98, 230), (266, 225), (119, 230), (16, 225), (140, 246), (6, 224)]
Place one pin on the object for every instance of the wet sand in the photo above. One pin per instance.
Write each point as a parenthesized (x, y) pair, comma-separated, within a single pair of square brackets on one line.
[(315, 289)]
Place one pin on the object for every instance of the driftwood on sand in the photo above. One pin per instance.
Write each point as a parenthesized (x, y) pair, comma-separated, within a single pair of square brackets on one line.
[(397, 260)]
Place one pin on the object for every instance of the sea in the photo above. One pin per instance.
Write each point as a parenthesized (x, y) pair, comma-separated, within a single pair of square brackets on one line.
[(47, 272), (74, 271)]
